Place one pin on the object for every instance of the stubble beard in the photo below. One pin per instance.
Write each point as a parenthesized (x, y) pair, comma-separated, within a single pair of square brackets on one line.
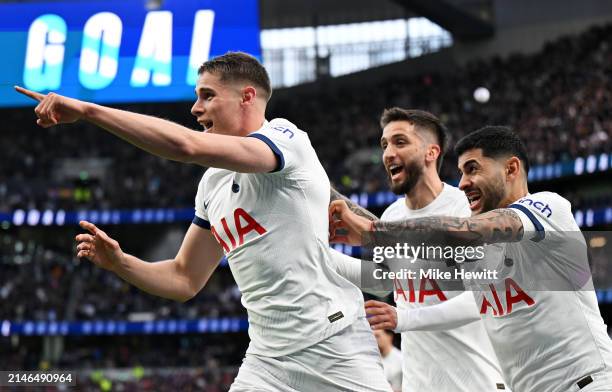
[(413, 172), (495, 195)]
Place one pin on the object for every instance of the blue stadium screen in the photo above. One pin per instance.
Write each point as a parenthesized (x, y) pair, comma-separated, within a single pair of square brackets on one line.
[(119, 51)]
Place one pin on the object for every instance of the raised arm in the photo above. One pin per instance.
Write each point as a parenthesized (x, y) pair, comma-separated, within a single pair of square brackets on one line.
[(179, 279), (501, 225), (157, 136)]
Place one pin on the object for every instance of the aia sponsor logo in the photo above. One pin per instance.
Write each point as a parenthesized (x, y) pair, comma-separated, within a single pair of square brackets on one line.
[(427, 287), (503, 303), (234, 232)]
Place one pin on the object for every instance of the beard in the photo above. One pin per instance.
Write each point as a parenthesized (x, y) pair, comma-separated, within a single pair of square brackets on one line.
[(413, 172), (493, 195)]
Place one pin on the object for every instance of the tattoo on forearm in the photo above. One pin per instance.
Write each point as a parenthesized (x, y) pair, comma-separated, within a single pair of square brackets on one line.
[(501, 225), (356, 208)]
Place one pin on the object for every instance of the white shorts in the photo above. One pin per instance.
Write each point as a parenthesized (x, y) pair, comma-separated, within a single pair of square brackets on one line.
[(346, 361)]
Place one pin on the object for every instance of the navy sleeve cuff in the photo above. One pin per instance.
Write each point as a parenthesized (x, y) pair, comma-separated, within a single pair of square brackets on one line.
[(280, 159), (203, 223), (540, 233)]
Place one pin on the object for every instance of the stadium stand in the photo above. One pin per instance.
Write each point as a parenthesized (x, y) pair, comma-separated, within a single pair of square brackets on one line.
[(558, 100)]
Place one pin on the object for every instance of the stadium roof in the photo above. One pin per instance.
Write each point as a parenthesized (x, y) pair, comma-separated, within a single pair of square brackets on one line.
[(465, 19), (295, 13)]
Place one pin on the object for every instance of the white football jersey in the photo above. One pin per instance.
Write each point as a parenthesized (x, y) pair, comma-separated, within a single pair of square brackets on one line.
[(273, 228), (454, 360), (392, 363), (547, 334)]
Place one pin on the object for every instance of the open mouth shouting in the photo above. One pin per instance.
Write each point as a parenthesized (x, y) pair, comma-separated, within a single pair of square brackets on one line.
[(207, 124), (474, 198), (395, 171)]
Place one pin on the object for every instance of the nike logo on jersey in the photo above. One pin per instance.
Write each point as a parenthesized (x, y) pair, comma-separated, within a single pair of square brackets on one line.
[(538, 205), (206, 205)]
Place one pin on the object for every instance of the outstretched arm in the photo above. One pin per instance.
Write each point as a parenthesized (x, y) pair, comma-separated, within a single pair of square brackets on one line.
[(501, 225), (158, 136), (180, 278)]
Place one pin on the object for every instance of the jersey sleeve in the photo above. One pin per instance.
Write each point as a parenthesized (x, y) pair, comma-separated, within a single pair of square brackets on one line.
[(454, 313), (389, 212), (289, 144), (462, 208), (350, 268), (346, 266), (201, 216), (544, 212)]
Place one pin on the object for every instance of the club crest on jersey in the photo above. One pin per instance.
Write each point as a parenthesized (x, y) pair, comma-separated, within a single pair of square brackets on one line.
[(242, 224)]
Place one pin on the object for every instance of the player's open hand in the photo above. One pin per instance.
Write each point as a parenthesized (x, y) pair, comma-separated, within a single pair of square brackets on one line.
[(381, 315), (344, 225), (98, 247), (54, 109)]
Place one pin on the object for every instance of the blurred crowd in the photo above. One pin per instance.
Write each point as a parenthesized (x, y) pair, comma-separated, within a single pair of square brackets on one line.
[(206, 362), (79, 166), (203, 379), (559, 100), (199, 379), (41, 283), (125, 351)]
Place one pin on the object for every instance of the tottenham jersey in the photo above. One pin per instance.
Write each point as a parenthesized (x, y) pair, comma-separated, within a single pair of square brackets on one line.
[(392, 363), (273, 228), (455, 360), (541, 313)]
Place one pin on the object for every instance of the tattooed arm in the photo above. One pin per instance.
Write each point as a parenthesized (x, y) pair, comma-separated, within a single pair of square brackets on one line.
[(354, 207), (501, 225)]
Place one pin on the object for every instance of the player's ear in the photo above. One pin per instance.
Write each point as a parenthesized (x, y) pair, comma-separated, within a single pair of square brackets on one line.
[(249, 93), (433, 152), (513, 168)]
